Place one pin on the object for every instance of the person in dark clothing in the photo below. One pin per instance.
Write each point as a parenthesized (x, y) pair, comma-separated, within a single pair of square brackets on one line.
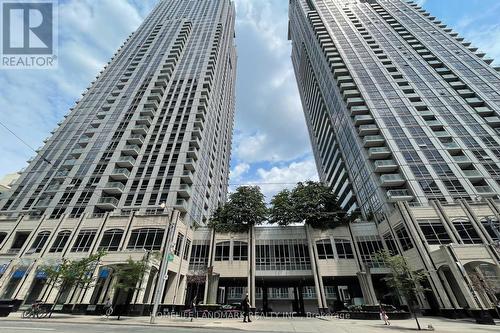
[(245, 307)]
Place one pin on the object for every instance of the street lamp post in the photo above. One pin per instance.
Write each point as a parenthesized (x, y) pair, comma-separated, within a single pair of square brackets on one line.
[(163, 274)]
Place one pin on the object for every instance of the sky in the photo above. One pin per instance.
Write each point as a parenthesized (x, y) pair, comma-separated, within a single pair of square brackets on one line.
[(271, 144)]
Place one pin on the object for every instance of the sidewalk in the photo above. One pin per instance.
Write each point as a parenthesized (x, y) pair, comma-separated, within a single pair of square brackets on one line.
[(297, 324)]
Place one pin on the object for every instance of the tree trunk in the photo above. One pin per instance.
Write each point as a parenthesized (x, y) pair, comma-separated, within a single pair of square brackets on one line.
[(415, 316), (58, 296)]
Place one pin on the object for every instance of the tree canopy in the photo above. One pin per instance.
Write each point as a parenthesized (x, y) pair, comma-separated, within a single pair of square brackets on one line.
[(246, 207), (311, 202)]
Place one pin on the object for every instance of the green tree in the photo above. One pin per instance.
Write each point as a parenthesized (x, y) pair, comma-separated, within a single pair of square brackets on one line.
[(72, 274), (404, 283), (311, 202), (245, 208), (128, 277)]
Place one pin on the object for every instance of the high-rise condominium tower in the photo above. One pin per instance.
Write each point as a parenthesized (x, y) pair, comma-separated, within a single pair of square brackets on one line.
[(154, 129), (399, 108)]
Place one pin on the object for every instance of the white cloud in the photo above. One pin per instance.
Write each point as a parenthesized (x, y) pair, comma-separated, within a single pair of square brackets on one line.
[(32, 102), (239, 170), (276, 178)]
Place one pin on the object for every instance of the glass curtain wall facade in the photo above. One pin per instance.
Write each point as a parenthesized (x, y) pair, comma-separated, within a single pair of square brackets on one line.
[(399, 107), (153, 128)]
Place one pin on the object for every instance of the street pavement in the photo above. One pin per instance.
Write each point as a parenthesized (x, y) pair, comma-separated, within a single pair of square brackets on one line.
[(61, 323)]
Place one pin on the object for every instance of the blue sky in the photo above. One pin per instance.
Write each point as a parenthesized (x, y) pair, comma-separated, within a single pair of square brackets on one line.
[(271, 143)]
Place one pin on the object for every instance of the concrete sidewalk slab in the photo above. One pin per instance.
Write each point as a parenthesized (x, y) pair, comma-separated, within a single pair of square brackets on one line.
[(297, 324)]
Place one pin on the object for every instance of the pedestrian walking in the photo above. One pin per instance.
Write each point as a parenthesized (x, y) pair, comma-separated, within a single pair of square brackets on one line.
[(245, 307), (383, 316)]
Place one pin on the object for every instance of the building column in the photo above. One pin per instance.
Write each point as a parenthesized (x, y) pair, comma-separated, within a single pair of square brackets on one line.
[(318, 281), (139, 295), (212, 288), (366, 284), (251, 267)]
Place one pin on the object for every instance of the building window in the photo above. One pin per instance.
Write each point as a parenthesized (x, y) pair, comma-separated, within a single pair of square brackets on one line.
[(199, 257), (344, 248), (3, 235), (39, 242), (368, 247), (467, 232), (111, 240), (325, 249), (145, 238), (19, 240), (178, 244), (391, 244), (185, 256), (309, 292), (330, 292), (240, 251), (404, 238), (60, 241), (434, 231), (278, 293), (489, 225), (222, 251), (235, 293), (84, 241), (284, 254)]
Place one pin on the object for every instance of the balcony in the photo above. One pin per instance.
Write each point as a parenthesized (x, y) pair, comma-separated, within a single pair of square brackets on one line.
[(442, 134), (340, 72), (427, 114), (147, 112), (68, 164), (347, 86), (373, 141), (493, 121), (368, 129), (53, 188), (190, 163), (452, 146), (43, 203), (382, 166), (155, 97), (484, 111), (473, 175), (450, 77), (133, 150), (151, 104), (345, 79), (462, 159), (392, 180), (126, 161), (77, 152), (485, 190), (192, 153), (355, 101), (474, 101), (181, 205), (113, 188), (61, 174), (141, 129), (359, 110), (195, 142), (378, 153), (187, 177), (465, 93), (137, 139), (107, 203), (354, 93), (144, 120), (184, 191), (399, 195), (363, 119), (434, 124), (457, 85), (120, 174)]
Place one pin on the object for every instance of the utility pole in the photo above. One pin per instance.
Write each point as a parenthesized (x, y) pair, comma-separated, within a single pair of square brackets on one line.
[(163, 274)]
